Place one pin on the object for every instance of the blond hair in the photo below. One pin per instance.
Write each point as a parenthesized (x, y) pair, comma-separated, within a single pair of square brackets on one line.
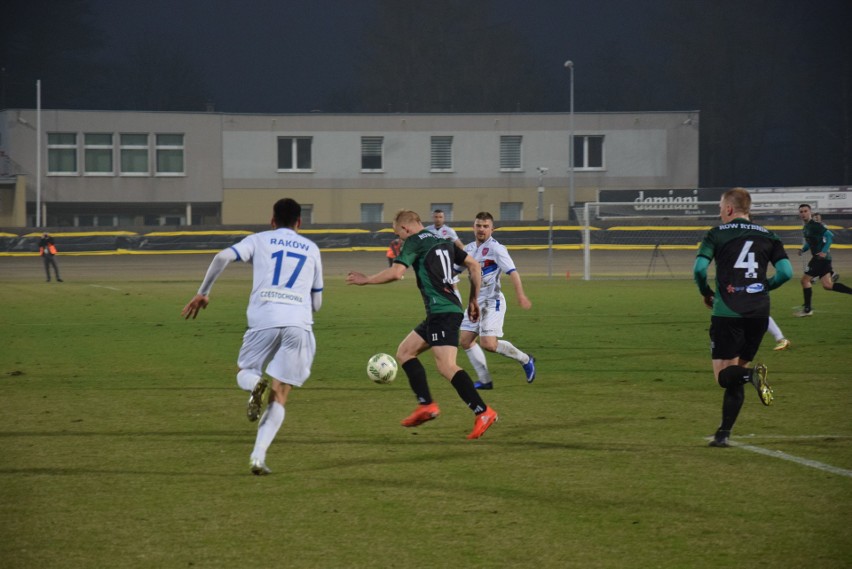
[(739, 199), (406, 216)]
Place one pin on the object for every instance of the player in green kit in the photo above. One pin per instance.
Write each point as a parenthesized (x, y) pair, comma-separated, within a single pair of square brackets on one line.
[(817, 239), (743, 252), (432, 259)]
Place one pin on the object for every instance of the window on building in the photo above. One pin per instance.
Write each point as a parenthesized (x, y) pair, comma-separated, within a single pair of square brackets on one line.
[(511, 211), (307, 214), (97, 153), (447, 208), (371, 212), (85, 221), (371, 153), (99, 220), (134, 154), (62, 153), (510, 153), (170, 154), (294, 153), (589, 152), (442, 154)]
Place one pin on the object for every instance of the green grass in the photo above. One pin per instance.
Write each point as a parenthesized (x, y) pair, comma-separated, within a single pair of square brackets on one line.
[(124, 441)]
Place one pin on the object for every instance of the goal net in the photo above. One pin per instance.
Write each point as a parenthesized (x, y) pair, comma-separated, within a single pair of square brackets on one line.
[(625, 240)]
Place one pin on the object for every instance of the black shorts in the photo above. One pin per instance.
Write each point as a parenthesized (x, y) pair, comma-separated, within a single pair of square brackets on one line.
[(736, 337), (818, 266), (440, 329)]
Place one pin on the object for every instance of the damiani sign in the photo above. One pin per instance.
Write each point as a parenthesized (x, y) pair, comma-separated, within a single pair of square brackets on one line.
[(780, 201)]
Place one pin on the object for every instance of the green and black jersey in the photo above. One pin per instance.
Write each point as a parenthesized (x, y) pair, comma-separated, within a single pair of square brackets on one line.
[(432, 259), (743, 252), (815, 237)]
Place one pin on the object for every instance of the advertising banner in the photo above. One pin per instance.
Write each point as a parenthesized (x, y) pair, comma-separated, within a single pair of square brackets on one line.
[(767, 201)]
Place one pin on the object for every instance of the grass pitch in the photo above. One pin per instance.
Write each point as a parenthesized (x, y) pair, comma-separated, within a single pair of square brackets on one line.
[(124, 441)]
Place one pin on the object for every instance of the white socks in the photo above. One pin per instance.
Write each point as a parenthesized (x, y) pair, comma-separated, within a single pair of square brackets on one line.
[(477, 359), (267, 428), (505, 348), (247, 379), (775, 330)]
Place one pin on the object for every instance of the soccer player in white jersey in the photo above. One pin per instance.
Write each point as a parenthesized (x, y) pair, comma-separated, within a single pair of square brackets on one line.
[(286, 291), (446, 232), (495, 261), (443, 231)]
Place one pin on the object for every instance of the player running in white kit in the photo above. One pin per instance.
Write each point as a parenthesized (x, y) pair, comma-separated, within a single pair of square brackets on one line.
[(286, 290), (495, 261)]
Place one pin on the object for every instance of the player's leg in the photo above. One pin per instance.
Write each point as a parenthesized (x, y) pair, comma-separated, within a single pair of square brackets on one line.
[(807, 293), (468, 334), (289, 367), (258, 346), (445, 359), (269, 425), (734, 343), (781, 343), (443, 335), (46, 260), (491, 330), (829, 283), (753, 330), (411, 346), (55, 268), (732, 401), (774, 330)]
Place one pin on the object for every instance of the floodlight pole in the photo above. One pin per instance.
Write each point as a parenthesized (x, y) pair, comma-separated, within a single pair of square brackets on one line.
[(38, 153), (570, 66)]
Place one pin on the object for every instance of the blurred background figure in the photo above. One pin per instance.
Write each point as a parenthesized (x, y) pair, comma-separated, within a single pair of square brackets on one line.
[(47, 250), (393, 250)]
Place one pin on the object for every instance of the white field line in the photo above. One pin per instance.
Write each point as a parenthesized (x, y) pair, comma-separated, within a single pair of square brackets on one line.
[(792, 437), (797, 459), (102, 286)]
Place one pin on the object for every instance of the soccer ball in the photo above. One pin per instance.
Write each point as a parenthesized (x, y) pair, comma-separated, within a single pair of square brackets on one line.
[(382, 368)]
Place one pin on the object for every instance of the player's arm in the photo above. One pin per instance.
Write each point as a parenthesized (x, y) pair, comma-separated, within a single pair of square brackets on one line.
[(474, 271), (515, 277), (393, 273), (827, 238), (317, 286), (699, 275), (200, 301), (458, 243), (316, 300), (783, 273)]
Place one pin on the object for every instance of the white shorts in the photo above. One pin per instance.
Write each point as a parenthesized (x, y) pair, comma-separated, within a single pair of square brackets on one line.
[(287, 353), (492, 312)]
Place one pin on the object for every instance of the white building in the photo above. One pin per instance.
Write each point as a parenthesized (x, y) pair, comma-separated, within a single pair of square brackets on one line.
[(118, 168)]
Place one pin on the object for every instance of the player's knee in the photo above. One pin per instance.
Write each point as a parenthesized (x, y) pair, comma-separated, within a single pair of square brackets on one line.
[(403, 355), (247, 379), (448, 371), (488, 343)]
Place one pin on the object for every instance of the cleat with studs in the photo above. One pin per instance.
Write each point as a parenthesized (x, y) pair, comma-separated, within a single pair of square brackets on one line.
[(758, 379), (255, 402)]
